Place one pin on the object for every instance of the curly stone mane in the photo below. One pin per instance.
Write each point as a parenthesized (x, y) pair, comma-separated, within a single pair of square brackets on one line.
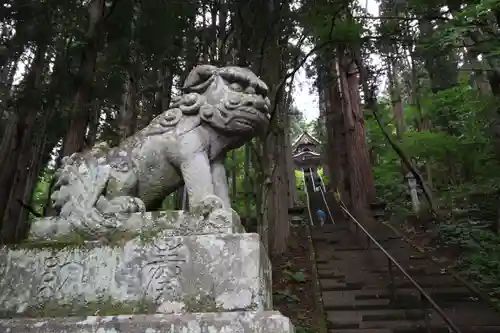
[(188, 104), (193, 102), (184, 105)]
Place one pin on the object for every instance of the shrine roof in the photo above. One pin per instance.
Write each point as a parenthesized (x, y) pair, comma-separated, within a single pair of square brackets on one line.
[(305, 139)]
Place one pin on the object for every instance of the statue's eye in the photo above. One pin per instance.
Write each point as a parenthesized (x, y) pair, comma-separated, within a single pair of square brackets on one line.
[(261, 92), (250, 90), (236, 87)]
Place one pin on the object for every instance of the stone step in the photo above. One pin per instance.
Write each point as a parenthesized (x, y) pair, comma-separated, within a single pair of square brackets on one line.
[(244, 322), (435, 293), (349, 247), (412, 271), (344, 260), (338, 303), (339, 225), (398, 252), (359, 330), (353, 319), (345, 237), (462, 316), (330, 273), (396, 325), (426, 281), (331, 236), (383, 299), (336, 285), (442, 329), (203, 273), (350, 235), (407, 326), (342, 283), (375, 258), (481, 329), (356, 296), (351, 272)]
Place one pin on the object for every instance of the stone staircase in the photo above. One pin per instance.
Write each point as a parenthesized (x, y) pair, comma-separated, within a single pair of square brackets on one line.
[(169, 273), (358, 296)]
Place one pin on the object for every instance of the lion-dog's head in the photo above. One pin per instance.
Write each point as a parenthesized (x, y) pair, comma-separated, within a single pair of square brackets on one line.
[(235, 99)]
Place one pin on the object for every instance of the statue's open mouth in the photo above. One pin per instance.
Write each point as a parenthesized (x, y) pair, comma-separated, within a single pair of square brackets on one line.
[(246, 122), (249, 117)]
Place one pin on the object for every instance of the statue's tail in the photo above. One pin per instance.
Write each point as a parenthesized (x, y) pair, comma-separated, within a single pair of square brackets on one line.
[(79, 183)]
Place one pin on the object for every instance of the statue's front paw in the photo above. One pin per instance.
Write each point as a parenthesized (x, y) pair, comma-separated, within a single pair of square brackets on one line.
[(207, 205), (225, 217), (124, 205), (61, 196)]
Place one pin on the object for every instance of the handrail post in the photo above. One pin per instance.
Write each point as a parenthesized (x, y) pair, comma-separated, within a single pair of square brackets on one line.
[(323, 189), (423, 302), (307, 199), (392, 284)]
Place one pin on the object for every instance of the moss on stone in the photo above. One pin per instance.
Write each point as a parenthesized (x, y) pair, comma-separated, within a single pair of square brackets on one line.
[(148, 236), (254, 306), (204, 303), (76, 239), (54, 244), (82, 240), (103, 307)]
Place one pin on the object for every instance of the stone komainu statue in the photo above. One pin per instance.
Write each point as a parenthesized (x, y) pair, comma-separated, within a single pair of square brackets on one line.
[(219, 110)]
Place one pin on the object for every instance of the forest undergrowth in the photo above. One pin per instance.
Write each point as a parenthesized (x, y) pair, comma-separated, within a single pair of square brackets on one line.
[(460, 164), (465, 246), (293, 283)]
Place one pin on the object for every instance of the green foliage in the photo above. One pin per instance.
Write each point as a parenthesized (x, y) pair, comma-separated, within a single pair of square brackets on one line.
[(298, 124), (299, 180), (480, 254), (460, 153), (287, 295), (323, 176), (461, 111), (299, 276), (235, 166), (40, 195)]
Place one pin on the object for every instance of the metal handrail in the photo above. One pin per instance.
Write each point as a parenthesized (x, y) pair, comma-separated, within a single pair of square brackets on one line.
[(323, 187), (314, 188), (481, 295), (391, 262), (454, 274), (307, 197), (312, 180), (327, 207)]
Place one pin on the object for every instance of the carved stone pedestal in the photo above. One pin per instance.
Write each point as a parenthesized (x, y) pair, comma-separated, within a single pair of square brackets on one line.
[(224, 322), (171, 223), (208, 274)]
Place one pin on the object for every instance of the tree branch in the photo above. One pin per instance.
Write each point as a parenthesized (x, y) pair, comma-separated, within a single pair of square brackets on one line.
[(401, 18), (111, 9), (298, 65), (29, 208), (371, 104)]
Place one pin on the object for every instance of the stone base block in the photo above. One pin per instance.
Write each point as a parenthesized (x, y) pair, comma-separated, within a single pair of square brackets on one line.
[(171, 223), (229, 322), (204, 273)]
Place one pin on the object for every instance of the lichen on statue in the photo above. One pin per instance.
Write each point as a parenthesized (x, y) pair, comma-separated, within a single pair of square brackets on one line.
[(219, 110)]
